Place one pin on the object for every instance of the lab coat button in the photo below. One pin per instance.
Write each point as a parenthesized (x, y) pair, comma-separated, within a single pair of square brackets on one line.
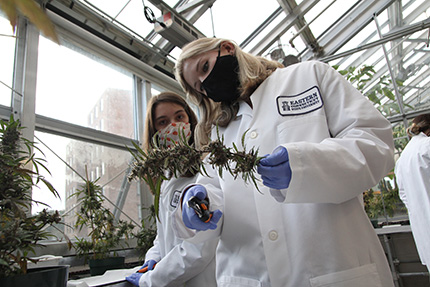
[(273, 235), (253, 134)]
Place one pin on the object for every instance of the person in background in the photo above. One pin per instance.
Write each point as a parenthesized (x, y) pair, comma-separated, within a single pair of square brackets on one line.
[(171, 261), (413, 178), (324, 144)]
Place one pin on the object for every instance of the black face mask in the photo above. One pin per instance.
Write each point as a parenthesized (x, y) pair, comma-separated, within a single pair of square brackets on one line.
[(222, 84)]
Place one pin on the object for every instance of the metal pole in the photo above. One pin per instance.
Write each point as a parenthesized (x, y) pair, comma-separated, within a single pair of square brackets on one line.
[(390, 260), (399, 98)]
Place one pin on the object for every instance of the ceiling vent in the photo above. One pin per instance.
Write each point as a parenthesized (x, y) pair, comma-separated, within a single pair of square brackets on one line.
[(176, 30)]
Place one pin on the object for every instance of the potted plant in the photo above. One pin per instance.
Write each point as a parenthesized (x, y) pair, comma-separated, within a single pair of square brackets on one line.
[(21, 231), (105, 233), (384, 202), (370, 206)]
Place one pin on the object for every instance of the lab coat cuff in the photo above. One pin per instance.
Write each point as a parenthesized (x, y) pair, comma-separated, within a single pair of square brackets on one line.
[(183, 193), (279, 194)]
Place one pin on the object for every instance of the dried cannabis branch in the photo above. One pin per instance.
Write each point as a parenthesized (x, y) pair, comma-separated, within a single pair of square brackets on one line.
[(160, 163)]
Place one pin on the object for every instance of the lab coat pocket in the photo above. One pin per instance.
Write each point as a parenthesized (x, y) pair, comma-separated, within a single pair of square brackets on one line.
[(310, 128), (362, 276), (227, 281)]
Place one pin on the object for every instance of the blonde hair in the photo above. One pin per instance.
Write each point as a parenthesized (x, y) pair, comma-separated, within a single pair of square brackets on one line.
[(420, 124), (253, 70)]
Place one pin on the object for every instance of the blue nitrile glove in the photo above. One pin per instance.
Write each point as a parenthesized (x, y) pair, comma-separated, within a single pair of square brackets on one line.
[(275, 169), (190, 217), (150, 264), (134, 278)]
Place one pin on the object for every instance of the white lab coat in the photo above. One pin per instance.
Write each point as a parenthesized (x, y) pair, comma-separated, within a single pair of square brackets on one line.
[(318, 234), (413, 178), (180, 263)]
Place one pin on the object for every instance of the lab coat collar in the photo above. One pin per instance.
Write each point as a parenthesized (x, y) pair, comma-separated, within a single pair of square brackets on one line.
[(244, 109), (255, 98)]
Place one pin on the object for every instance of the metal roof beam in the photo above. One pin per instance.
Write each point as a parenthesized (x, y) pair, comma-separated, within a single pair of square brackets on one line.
[(404, 31), (408, 115), (349, 26), (190, 6), (260, 28), (423, 61), (409, 19), (280, 29), (301, 25), (395, 60)]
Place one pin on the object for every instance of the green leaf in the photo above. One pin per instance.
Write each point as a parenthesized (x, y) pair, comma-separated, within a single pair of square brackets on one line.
[(51, 188), (387, 92), (372, 96)]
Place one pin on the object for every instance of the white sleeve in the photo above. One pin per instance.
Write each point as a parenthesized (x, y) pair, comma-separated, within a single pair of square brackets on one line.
[(154, 252), (423, 171), (413, 176), (399, 181), (355, 157), (211, 183), (183, 262)]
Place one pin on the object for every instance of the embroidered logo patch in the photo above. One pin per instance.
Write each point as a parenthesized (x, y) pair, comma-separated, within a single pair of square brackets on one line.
[(176, 196), (306, 102)]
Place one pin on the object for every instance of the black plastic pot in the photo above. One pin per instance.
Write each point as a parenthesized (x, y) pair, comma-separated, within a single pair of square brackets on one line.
[(53, 276), (100, 266), (374, 223)]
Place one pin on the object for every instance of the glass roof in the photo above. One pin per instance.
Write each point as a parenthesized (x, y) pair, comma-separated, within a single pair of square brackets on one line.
[(392, 37)]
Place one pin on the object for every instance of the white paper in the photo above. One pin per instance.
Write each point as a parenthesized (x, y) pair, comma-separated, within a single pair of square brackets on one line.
[(110, 276)]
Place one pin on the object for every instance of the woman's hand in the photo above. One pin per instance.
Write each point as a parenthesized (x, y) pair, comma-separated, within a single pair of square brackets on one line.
[(189, 215), (275, 169)]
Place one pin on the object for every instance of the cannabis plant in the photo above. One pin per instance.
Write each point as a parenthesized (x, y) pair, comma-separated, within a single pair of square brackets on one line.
[(160, 163), (146, 234), (104, 232), (20, 231), (384, 202)]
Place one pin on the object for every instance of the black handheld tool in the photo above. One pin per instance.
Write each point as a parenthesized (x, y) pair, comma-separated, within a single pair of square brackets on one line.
[(201, 207)]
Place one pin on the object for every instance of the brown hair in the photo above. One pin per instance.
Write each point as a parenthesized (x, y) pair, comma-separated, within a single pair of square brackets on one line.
[(165, 97), (420, 124), (253, 70)]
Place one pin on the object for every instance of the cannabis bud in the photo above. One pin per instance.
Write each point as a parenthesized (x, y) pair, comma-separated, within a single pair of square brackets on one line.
[(179, 158)]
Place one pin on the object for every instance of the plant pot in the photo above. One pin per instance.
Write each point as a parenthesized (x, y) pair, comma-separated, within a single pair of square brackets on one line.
[(374, 223), (54, 276), (100, 266)]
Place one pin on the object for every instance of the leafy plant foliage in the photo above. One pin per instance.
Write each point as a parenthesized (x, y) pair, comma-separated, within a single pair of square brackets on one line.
[(146, 234), (161, 163), (386, 201), (362, 79), (20, 232), (104, 232)]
